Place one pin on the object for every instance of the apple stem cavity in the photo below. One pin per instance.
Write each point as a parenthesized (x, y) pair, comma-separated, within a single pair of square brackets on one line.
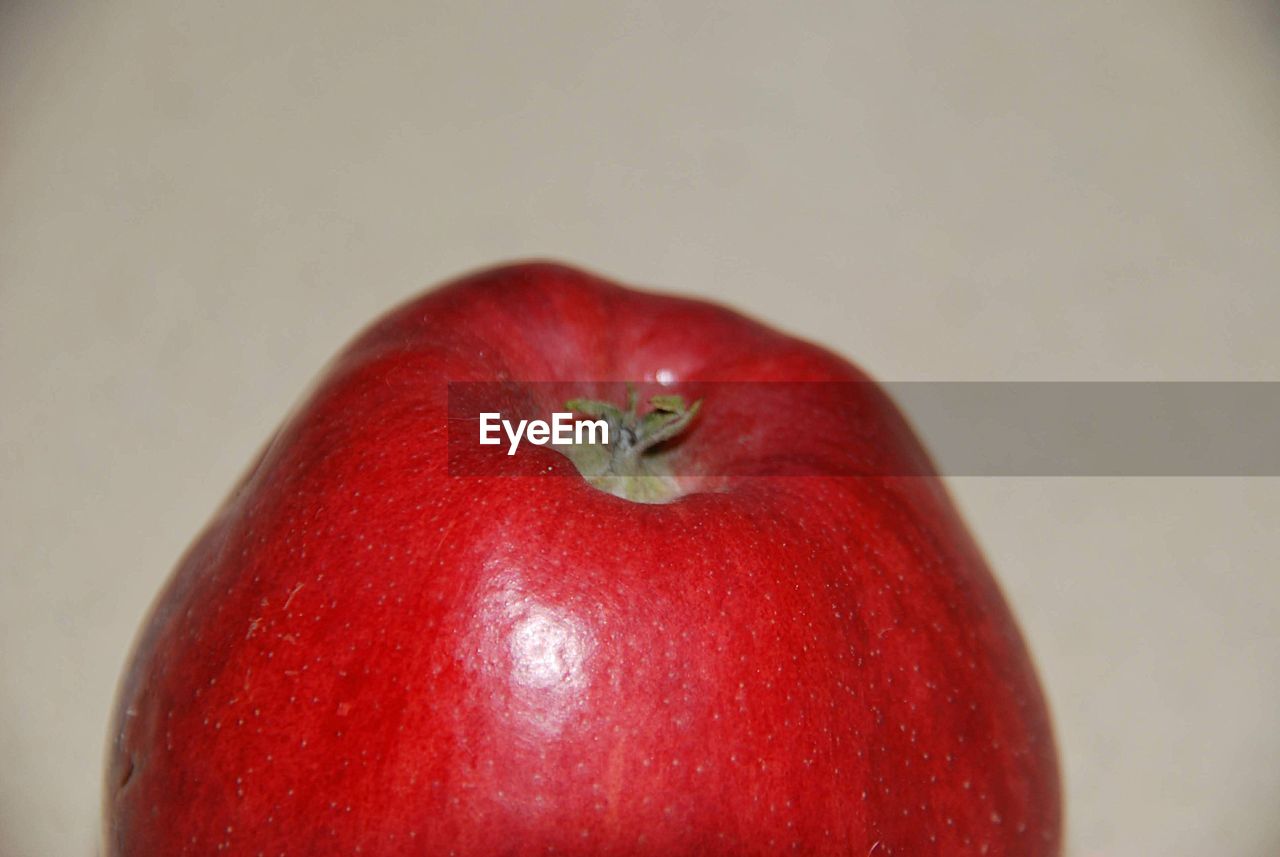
[(628, 466)]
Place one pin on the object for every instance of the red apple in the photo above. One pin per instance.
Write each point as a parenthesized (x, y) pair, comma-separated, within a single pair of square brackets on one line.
[(373, 649)]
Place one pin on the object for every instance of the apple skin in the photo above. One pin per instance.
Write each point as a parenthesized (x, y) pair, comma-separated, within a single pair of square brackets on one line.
[(363, 654)]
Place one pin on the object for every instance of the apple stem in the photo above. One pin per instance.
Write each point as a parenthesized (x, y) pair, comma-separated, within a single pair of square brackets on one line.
[(624, 466)]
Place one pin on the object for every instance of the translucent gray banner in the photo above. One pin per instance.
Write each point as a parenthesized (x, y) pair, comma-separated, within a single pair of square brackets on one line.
[(967, 428), (1097, 428)]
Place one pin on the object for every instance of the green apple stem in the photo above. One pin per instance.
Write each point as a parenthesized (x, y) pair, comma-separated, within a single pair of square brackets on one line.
[(627, 465)]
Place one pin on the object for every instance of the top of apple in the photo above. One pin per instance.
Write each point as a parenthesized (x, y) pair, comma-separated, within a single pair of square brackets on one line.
[(697, 396)]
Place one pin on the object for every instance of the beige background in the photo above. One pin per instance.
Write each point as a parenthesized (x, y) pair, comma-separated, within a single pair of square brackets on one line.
[(199, 202)]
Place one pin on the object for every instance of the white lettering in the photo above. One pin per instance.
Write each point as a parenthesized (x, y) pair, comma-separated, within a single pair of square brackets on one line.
[(487, 425), (515, 436), (538, 433), (562, 430), (560, 425), (588, 429)]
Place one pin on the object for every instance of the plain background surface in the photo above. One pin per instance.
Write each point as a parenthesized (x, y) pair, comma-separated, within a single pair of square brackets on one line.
[(200, 202)]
